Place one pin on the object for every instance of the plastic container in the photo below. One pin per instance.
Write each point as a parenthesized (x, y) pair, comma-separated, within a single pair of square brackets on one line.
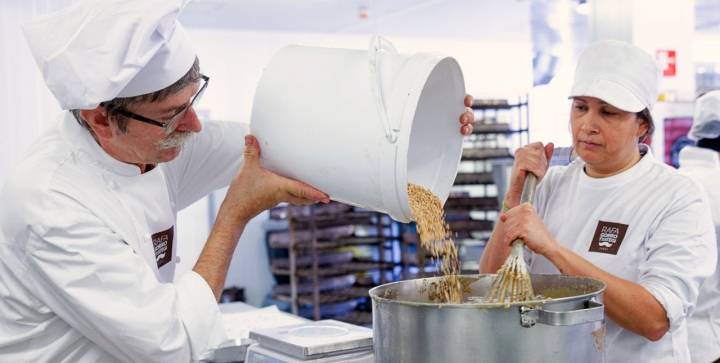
[(259, 354), (359, 125)]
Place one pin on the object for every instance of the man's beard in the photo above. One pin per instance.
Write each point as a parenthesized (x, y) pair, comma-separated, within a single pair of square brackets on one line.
[(176, 139)]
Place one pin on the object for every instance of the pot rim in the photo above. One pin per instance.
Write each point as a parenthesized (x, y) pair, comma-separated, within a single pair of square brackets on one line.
[(468, 305)]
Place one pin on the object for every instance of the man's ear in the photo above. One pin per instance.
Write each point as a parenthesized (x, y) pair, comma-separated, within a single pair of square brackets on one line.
[(98, 121)]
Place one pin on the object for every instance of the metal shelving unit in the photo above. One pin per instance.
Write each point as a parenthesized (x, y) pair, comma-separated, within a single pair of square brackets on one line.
[(315, 259)]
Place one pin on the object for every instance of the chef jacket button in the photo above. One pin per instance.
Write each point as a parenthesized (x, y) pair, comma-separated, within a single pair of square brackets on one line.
[(177, 259)]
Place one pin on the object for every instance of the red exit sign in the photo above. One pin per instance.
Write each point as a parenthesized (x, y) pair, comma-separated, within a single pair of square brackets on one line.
[(667, 61)]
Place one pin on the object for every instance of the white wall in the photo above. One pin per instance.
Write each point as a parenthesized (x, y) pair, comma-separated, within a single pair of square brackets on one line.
[(706, 48), (668, 25), (26, 105)]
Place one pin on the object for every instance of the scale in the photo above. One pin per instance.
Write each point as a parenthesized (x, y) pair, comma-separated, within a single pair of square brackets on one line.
[(325, 341)]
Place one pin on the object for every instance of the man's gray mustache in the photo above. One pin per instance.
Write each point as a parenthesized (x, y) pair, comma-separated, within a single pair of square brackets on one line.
[(176, 139)]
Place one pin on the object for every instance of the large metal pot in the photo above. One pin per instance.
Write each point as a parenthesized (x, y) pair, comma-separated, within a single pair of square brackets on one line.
[(569, 327)]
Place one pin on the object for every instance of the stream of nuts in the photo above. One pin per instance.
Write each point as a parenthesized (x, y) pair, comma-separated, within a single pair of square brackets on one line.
[(436, 238)]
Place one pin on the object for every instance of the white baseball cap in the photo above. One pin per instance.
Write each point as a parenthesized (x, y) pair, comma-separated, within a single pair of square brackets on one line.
[(618, 73), (706, 119), (94, 51)]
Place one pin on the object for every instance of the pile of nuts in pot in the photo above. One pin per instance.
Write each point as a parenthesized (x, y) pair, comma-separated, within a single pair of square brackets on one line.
[(435, 237)]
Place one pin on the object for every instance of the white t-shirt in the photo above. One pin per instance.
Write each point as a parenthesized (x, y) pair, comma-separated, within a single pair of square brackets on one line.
[(703, 166), (87, 252), (650, 225)]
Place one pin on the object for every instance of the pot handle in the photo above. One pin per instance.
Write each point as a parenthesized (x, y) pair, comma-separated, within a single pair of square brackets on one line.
[(594, 311)]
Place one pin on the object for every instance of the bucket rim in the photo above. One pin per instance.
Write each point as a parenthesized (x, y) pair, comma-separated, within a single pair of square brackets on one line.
[(429, 63)]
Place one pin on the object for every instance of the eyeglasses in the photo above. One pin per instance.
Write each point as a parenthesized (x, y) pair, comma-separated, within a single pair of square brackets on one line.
[(169, 124)]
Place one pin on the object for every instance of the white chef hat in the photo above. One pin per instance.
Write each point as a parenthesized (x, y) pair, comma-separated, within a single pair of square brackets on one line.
[(706, 120), (618, 73), (95, 51)]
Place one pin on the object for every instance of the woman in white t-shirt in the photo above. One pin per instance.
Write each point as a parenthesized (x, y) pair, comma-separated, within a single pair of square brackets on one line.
[(615, 213)]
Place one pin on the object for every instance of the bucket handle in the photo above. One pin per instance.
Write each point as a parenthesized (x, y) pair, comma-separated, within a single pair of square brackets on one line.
[(594, 311), (378, 46)]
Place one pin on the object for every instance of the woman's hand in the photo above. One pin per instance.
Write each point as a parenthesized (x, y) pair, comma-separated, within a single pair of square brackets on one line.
[(533, 158), (256, 189), (522, 222)]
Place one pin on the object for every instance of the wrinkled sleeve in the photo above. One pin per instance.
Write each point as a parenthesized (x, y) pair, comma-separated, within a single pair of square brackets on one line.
[(99, 286), (209, 162), (680, 254)]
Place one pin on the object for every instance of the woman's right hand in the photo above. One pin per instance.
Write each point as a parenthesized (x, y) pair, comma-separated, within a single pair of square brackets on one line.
[(533, 158), (256, 189)]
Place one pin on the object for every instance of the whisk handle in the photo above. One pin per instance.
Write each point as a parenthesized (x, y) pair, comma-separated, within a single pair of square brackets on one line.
[(528, 191), (517, 244), (527, 196)]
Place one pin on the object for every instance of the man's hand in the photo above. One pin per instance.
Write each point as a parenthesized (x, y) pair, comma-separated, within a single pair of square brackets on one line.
[(253, 190), (467, 118), (256, 189)]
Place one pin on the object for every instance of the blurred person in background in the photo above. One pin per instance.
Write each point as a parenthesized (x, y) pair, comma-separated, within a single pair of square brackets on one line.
[(702, 163)]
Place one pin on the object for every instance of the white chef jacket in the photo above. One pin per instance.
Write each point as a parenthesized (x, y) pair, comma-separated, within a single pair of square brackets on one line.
[(703, 166), (87, 251), (650, 225)]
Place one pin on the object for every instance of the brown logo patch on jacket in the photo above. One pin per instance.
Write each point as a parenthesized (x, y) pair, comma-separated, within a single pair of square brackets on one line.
[(608, 237), (163, 245)]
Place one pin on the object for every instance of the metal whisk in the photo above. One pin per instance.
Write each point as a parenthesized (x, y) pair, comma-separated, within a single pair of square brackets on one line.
[(512, 282)]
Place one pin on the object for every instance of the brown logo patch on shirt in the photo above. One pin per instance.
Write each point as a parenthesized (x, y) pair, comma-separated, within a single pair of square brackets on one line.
[(608, 237), (163, 243)]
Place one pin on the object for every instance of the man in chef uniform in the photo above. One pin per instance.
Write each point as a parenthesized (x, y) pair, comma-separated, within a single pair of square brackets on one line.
[(87, 247), (702, 164)]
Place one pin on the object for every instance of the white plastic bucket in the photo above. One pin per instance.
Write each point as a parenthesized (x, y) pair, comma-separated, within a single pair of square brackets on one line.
[(359, 125)]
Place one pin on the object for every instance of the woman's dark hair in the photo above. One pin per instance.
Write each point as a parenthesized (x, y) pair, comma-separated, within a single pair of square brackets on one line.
[(645, 115)]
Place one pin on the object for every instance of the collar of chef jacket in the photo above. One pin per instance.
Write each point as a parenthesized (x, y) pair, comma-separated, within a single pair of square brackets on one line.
[(141, 200)]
